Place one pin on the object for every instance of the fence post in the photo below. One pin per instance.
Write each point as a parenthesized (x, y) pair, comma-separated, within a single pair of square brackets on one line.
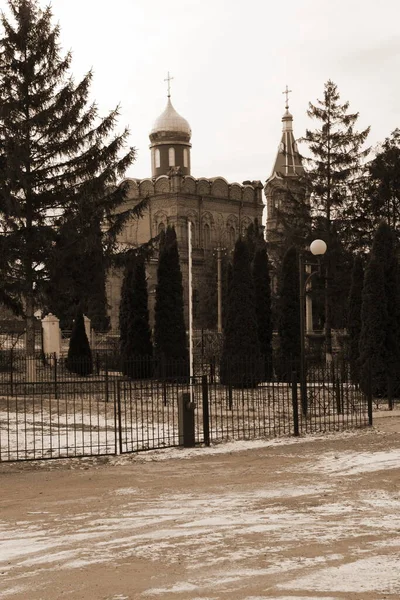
[(119, 418), (336, 388), (369, 394), (11, 372), (117, 431), (106, 379), (295, 405), (230, 399), (206, 412), (55, 376), (186, 421)]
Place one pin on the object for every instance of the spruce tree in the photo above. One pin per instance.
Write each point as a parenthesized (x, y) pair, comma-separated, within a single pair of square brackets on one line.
[(137, 349), (77, 275), (170, 338), (354, 318), (374, 320), (79, 359), (288, 316), (240, 361), (59, 161), (262, 287), (334, 170)]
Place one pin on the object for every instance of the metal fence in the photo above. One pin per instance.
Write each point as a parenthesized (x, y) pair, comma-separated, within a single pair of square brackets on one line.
[(61, 414)]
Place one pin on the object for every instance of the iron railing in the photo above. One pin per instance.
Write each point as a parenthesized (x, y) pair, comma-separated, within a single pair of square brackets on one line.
[(47, 411)]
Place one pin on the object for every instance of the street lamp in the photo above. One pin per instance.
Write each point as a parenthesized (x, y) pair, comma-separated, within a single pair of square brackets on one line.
[(317, 248)]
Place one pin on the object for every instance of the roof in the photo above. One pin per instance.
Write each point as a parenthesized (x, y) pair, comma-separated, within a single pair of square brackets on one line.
[(288, 159)]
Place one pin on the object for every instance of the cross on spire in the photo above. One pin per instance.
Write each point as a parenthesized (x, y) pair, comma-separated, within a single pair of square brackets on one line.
[(169, 78), (287, 92)]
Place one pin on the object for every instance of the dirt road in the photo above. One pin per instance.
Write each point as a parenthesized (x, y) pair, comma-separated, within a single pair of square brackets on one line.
[(315, 518)]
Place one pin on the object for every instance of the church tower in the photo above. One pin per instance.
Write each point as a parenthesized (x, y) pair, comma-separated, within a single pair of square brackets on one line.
[(170, 141), (284, 189)]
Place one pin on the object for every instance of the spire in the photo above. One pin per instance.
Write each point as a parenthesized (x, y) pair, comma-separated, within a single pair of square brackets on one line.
[(288, 160)]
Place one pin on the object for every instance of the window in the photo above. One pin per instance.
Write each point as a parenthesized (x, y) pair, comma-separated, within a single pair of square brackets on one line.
[(206, 236), (186, 157), (157, 158), (161, 227), (171, 157)]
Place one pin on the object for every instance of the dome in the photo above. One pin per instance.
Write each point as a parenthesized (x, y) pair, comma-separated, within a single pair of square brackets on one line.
[(171, 122)]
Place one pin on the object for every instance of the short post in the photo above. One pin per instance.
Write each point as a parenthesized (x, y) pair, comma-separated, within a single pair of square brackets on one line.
[(186, 423), (51, 335), (295, 405), (206, 412)]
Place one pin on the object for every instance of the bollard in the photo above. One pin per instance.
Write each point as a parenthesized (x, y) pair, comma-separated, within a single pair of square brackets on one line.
[(186, 421)]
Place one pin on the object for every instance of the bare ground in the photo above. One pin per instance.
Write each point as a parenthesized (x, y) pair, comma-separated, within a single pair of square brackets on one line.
[(315, 518)]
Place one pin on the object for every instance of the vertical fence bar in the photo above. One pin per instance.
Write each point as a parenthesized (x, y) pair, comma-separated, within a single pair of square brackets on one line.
[(295, 405), (206, 414), (11, 372), (106, 379), (369, 396), (55, 376)]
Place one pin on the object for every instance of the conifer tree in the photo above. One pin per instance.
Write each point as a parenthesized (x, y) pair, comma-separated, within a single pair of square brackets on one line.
[(380, 309), (354, 317), (59, 161), (288, 316), (77, 276), (262, 287), (137, 349), (240, 361), (384, 248), (334, 172), (374, 319), (169, 328), (79, 359), (383, 183), (126, 299)]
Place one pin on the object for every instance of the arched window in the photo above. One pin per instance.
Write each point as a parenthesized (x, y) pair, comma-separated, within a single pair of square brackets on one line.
[(232, 236), (171, 157), (185, 157), (206, 236), (157, 158)]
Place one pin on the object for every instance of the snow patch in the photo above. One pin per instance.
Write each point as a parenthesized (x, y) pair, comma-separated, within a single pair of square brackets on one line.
[(373, 574)]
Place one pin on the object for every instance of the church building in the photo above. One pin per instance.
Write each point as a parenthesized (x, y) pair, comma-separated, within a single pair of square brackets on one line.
[(219, 211)]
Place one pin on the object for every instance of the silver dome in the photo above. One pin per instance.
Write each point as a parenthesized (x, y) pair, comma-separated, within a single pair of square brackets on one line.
[(171, 121)]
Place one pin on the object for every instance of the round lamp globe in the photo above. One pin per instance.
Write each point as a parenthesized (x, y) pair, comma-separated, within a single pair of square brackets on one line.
[(318, 247)]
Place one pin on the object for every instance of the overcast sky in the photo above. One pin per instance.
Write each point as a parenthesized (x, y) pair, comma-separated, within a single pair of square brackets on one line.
[(231, 61)]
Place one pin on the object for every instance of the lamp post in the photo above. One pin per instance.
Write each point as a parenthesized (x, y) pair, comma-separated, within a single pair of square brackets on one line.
[(317, 248)]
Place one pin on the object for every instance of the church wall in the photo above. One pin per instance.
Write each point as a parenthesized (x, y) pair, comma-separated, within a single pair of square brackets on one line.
[(220, 214)]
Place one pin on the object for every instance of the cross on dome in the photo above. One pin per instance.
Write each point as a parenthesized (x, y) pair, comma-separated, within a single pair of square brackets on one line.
[(287, 92), (169, 79)]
